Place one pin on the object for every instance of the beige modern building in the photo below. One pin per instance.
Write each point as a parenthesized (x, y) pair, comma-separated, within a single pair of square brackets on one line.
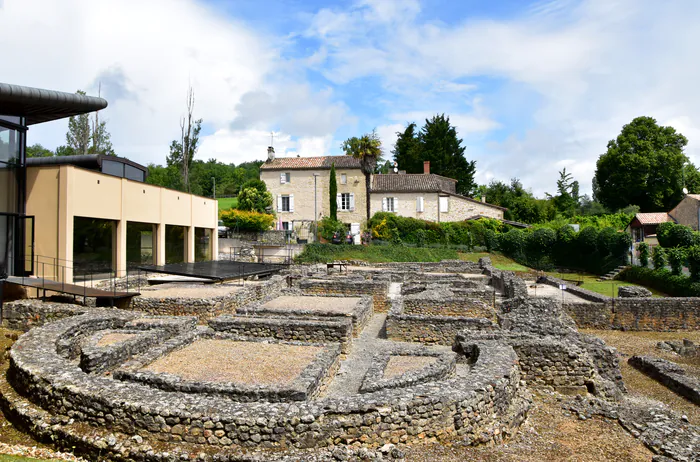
[(96, 213), (299, 186)]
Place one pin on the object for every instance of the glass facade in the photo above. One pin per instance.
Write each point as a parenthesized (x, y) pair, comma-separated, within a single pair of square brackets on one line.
[(13, 223)]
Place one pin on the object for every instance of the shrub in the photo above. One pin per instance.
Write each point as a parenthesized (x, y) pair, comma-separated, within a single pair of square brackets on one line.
[(251, 199), (643, 254), (255, 184), (512, 243), (490, 240), (694, 263), (676, 257), (662, 280), (245, 220), (658, 257), (327, 226)]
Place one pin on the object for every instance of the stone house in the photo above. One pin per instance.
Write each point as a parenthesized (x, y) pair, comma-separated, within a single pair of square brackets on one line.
[(643, 226), (687, 212), (300, 188)]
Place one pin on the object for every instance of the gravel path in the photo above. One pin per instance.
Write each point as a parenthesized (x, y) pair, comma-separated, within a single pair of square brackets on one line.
[(349, 377)]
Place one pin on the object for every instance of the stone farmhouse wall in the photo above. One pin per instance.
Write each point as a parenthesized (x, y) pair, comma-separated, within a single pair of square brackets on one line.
[(483, 407)]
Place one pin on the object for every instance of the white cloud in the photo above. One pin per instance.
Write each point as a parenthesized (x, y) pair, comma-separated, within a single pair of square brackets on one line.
[(145, 54), (578, 71)]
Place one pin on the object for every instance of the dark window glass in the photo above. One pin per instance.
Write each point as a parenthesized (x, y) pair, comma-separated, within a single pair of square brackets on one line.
[(10, 141), (113, 168), (14, 119), (8, 188), (133, 173)]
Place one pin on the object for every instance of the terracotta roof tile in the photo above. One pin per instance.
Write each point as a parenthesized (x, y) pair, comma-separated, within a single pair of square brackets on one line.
[(653, 218), (303, 163)]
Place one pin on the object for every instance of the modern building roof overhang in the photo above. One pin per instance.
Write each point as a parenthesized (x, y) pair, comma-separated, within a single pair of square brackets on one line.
[(38, 105)]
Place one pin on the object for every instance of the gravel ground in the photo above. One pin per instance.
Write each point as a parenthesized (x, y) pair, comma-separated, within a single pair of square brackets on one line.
[(111, 339), (549, 434), (340, 305), (629, 343), (547, 291), (191, 292), (241, 362), (398, 365)]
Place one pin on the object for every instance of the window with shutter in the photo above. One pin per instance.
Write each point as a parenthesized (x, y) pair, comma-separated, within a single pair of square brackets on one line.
[(286, 204), (279, 203), (444, 204), (343, 178), (352, 201), (291, 202), (344, 202), (419, 204), (384, 205)]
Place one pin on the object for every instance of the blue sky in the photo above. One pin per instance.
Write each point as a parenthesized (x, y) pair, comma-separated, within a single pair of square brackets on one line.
[(532, 87)]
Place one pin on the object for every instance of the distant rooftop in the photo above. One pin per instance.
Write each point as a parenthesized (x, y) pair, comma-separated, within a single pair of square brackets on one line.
[(305, 163), (412, 182), (38, 105), (653, 218)]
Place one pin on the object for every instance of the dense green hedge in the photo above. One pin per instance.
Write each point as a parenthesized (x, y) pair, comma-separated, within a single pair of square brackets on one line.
[(662, 280), (592, 250), (243, 220), (393, 228), (324, 253)]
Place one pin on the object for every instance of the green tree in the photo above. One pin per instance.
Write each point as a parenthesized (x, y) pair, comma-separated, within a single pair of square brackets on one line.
[(367, 148), (407, 150), (643, 248), (86, 136), (37, 150), (642, 166), (658, 257), (182, 151), (567, 199), (251, 199), (333, 193), (64, 151), (167, 177)]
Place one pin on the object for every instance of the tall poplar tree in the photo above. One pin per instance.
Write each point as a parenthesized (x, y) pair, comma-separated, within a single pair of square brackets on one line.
[(333, 193)]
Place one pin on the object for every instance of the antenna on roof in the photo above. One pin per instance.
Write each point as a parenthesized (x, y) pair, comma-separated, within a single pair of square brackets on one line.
[(272, 138)]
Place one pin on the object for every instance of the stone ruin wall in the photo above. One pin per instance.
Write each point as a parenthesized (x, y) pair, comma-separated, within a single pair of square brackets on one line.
[(484, 407), (379, 290)]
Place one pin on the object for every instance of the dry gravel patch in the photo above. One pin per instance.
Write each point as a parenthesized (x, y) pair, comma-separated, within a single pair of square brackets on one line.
[(250, 363), (630, 343), (400, 364), (291, 303), (547, 435), (191, 292), (113, 337)]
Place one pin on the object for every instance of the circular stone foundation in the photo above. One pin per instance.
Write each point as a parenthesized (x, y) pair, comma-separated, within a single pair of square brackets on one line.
[(104, 417)]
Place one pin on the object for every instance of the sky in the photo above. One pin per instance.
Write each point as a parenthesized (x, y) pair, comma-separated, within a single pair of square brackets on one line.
[(532, 87)]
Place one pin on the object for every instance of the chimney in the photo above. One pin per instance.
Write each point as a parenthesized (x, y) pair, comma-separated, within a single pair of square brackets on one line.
[(270, 153), (426, 167), (483, 199)]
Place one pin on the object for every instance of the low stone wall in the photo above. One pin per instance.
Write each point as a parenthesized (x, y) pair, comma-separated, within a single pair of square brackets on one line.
[(94, 358), (361, 314), (453, 284), (26, 314), (505, 282), (444, 266), (590, 315), (379, 290), (305, 386), (446, 303), (430, 330), (548, 362), (670, 374), (657, 314), (331, 330), (209, 308), (374, 380), (580, 292), (483, 406)]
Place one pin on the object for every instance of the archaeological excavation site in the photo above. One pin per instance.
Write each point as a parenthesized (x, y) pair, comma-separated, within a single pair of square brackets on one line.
[(313, 363)]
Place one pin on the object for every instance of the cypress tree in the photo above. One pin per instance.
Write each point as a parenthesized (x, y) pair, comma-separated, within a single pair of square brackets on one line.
[(333, 193)]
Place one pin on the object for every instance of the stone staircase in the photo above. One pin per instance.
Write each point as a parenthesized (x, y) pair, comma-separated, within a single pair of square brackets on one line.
[(611, 275)]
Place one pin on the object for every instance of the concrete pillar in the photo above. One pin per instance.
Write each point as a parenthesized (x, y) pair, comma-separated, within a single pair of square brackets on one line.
[(160, 244), (189, 244), (120, 254), (63, 268)]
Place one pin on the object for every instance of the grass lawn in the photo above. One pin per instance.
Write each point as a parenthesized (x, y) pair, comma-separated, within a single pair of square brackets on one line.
[(499, 261), (226, 203), (590, 281), (323, 253), (4, 458)]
